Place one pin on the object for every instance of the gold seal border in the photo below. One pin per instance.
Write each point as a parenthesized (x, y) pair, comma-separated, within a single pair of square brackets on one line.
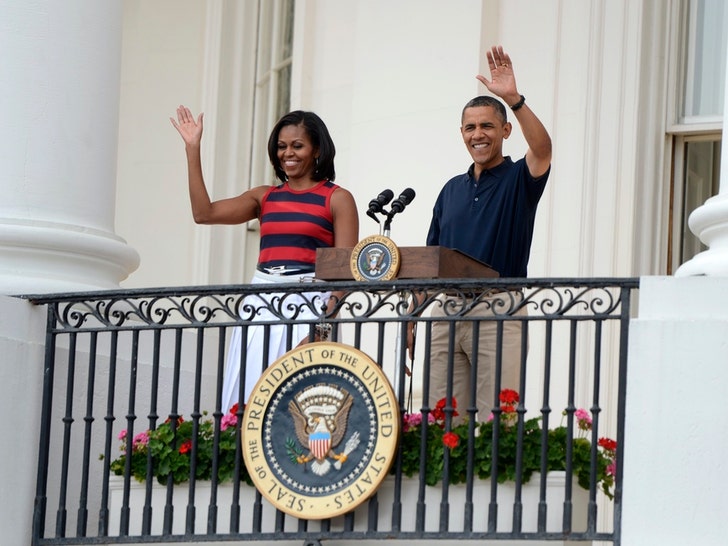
[(320, 354), (365, 242)]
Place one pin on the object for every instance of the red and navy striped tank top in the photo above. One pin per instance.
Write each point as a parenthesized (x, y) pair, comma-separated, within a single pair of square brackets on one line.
[(293, 224)]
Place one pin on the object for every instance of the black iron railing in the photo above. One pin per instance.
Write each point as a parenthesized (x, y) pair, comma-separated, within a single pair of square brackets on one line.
[(123, 367)]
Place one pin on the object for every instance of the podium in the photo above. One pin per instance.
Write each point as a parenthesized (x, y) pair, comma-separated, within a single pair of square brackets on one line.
[(417, 262)]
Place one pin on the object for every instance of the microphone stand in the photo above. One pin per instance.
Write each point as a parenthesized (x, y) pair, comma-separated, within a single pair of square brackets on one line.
[(386, 229), (400, 351), (400, 355)]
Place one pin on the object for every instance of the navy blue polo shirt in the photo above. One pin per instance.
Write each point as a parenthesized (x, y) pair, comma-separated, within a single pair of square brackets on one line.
[(490, 219)]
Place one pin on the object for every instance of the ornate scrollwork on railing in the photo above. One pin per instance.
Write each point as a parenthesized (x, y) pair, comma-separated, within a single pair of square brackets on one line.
[(196, 307), (594, 301)]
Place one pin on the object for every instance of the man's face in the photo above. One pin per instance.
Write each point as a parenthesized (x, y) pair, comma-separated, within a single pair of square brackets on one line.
[(483, 133)]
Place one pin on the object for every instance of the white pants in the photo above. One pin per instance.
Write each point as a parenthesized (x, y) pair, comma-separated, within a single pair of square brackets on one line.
[(289, 305)]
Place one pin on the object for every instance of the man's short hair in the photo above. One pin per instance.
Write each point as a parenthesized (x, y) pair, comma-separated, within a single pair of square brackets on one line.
[(485, 100)]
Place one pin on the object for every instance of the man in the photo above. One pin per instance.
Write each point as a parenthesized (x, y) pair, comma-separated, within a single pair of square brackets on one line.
[(488, 213)]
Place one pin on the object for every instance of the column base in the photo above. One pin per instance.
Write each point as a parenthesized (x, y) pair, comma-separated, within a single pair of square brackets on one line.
[(43, 257)]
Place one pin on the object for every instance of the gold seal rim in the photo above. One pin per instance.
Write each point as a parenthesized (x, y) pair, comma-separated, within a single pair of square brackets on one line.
[(253, 430), (393, 270)]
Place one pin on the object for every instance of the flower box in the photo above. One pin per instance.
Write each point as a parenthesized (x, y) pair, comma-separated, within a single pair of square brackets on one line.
[(555, 483), (180, 501), (385, 497), (171, 448)]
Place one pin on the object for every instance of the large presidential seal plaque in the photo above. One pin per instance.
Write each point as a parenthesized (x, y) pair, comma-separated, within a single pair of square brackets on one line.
[(320, 430)]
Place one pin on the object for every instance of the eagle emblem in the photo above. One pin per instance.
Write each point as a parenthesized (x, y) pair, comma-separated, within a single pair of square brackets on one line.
[(320, 415), (375, 260)]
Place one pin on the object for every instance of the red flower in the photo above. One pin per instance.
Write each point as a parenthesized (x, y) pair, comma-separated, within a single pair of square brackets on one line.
[(235, 408), (438, 412), (185, 447), (608, 444), (450, 439), (509, 397), (180, 420)]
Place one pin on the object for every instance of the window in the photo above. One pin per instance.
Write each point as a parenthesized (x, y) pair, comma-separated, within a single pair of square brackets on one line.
[(696, 123), (704, 61), (271, 99), (697, 160), (272, 96)]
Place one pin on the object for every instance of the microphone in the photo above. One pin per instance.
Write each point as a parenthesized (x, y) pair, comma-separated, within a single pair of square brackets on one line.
[(403, 200), (376, 205)]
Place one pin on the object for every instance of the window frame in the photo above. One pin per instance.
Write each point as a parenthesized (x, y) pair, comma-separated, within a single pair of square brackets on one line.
[(678, 221), (270, 63), (682, 130)]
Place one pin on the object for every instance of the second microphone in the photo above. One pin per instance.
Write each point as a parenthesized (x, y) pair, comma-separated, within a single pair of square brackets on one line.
[(403, 200)]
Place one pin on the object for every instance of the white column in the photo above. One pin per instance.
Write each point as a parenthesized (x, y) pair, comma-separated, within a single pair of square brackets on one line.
[(709, 222), (59, 105)]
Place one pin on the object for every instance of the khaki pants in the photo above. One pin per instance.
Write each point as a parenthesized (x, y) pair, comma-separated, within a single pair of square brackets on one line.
[(463, 360)]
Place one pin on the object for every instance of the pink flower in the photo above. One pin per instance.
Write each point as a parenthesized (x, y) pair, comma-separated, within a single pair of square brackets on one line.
[(411, 420), (140, 440), (611, 469), (228, 420), (122, 435), (584, 420)]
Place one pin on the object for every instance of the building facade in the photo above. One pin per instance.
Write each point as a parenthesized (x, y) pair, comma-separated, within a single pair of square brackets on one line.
[(632, 94)]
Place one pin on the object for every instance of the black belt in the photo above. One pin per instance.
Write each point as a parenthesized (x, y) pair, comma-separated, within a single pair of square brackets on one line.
[(286, 269)]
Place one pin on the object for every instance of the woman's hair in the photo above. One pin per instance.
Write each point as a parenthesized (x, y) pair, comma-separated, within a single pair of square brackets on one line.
[(318, 133)]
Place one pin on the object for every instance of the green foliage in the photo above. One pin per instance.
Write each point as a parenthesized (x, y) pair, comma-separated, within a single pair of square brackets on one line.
[(168, 449), (434, 461), (514, 440)]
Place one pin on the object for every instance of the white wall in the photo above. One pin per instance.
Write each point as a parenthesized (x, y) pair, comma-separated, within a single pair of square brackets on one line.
[(390, 79), (161, 67)]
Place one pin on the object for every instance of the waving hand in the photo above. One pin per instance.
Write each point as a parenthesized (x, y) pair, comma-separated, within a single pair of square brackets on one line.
[(189, 129), (502, 82)]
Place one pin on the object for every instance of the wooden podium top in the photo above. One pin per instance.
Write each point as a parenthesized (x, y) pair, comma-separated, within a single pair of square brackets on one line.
[(417, 262)]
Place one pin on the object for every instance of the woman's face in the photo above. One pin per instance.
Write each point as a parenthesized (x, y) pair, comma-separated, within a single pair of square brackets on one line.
[(296, 153)]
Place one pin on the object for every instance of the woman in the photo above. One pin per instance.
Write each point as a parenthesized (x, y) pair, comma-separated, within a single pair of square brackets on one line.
[(306, 211)]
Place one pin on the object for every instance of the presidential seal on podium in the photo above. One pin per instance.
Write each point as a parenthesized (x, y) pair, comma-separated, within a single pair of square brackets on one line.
[(320, 430), (375, 258)]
